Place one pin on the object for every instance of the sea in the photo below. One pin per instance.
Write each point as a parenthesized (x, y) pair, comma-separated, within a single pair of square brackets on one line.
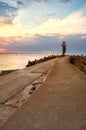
[(17, 61)]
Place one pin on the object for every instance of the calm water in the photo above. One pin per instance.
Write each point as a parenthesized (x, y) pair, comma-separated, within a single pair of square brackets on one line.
[(17, 61)]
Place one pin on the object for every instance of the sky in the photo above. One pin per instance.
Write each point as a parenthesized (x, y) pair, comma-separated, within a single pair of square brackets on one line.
[(40, 26)]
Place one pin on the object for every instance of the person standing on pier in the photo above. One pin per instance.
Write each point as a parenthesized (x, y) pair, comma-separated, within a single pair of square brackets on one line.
[(63, 48)]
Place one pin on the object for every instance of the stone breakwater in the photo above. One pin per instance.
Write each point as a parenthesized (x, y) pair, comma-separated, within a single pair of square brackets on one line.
[(79, 61), (30, 63)]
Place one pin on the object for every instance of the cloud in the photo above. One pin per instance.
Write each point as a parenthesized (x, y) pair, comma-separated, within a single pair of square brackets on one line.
[(38, 43), (14, 3), (9, 10), (20, 3), (65, 1), (12, 30), (6, 10), (3, 50), (24, 3), (7, 13), (75, 23), (4, 21)]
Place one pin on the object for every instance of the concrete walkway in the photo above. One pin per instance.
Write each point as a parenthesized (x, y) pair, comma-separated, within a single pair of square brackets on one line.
[(59, 104), (18, 86)]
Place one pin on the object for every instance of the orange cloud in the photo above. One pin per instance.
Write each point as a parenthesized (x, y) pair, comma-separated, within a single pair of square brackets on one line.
[(5, 21), (3, 50)]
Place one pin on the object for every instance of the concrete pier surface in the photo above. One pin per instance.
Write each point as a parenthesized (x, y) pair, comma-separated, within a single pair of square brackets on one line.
[(59, 104), (18, 86)]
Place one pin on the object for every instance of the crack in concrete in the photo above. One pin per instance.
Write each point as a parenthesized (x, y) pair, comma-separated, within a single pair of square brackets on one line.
[(18, 91)]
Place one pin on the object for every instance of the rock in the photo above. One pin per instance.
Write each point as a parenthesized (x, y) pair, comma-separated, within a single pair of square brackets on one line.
[(33, 88), (81, 67), (79, 61), (40, 60), (84, 62), (30, 92)]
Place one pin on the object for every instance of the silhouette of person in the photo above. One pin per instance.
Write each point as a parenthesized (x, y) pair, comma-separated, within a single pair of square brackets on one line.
[(63, 48)]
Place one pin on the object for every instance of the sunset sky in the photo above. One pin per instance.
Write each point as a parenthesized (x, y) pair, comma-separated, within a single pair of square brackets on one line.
[(40, 26)]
